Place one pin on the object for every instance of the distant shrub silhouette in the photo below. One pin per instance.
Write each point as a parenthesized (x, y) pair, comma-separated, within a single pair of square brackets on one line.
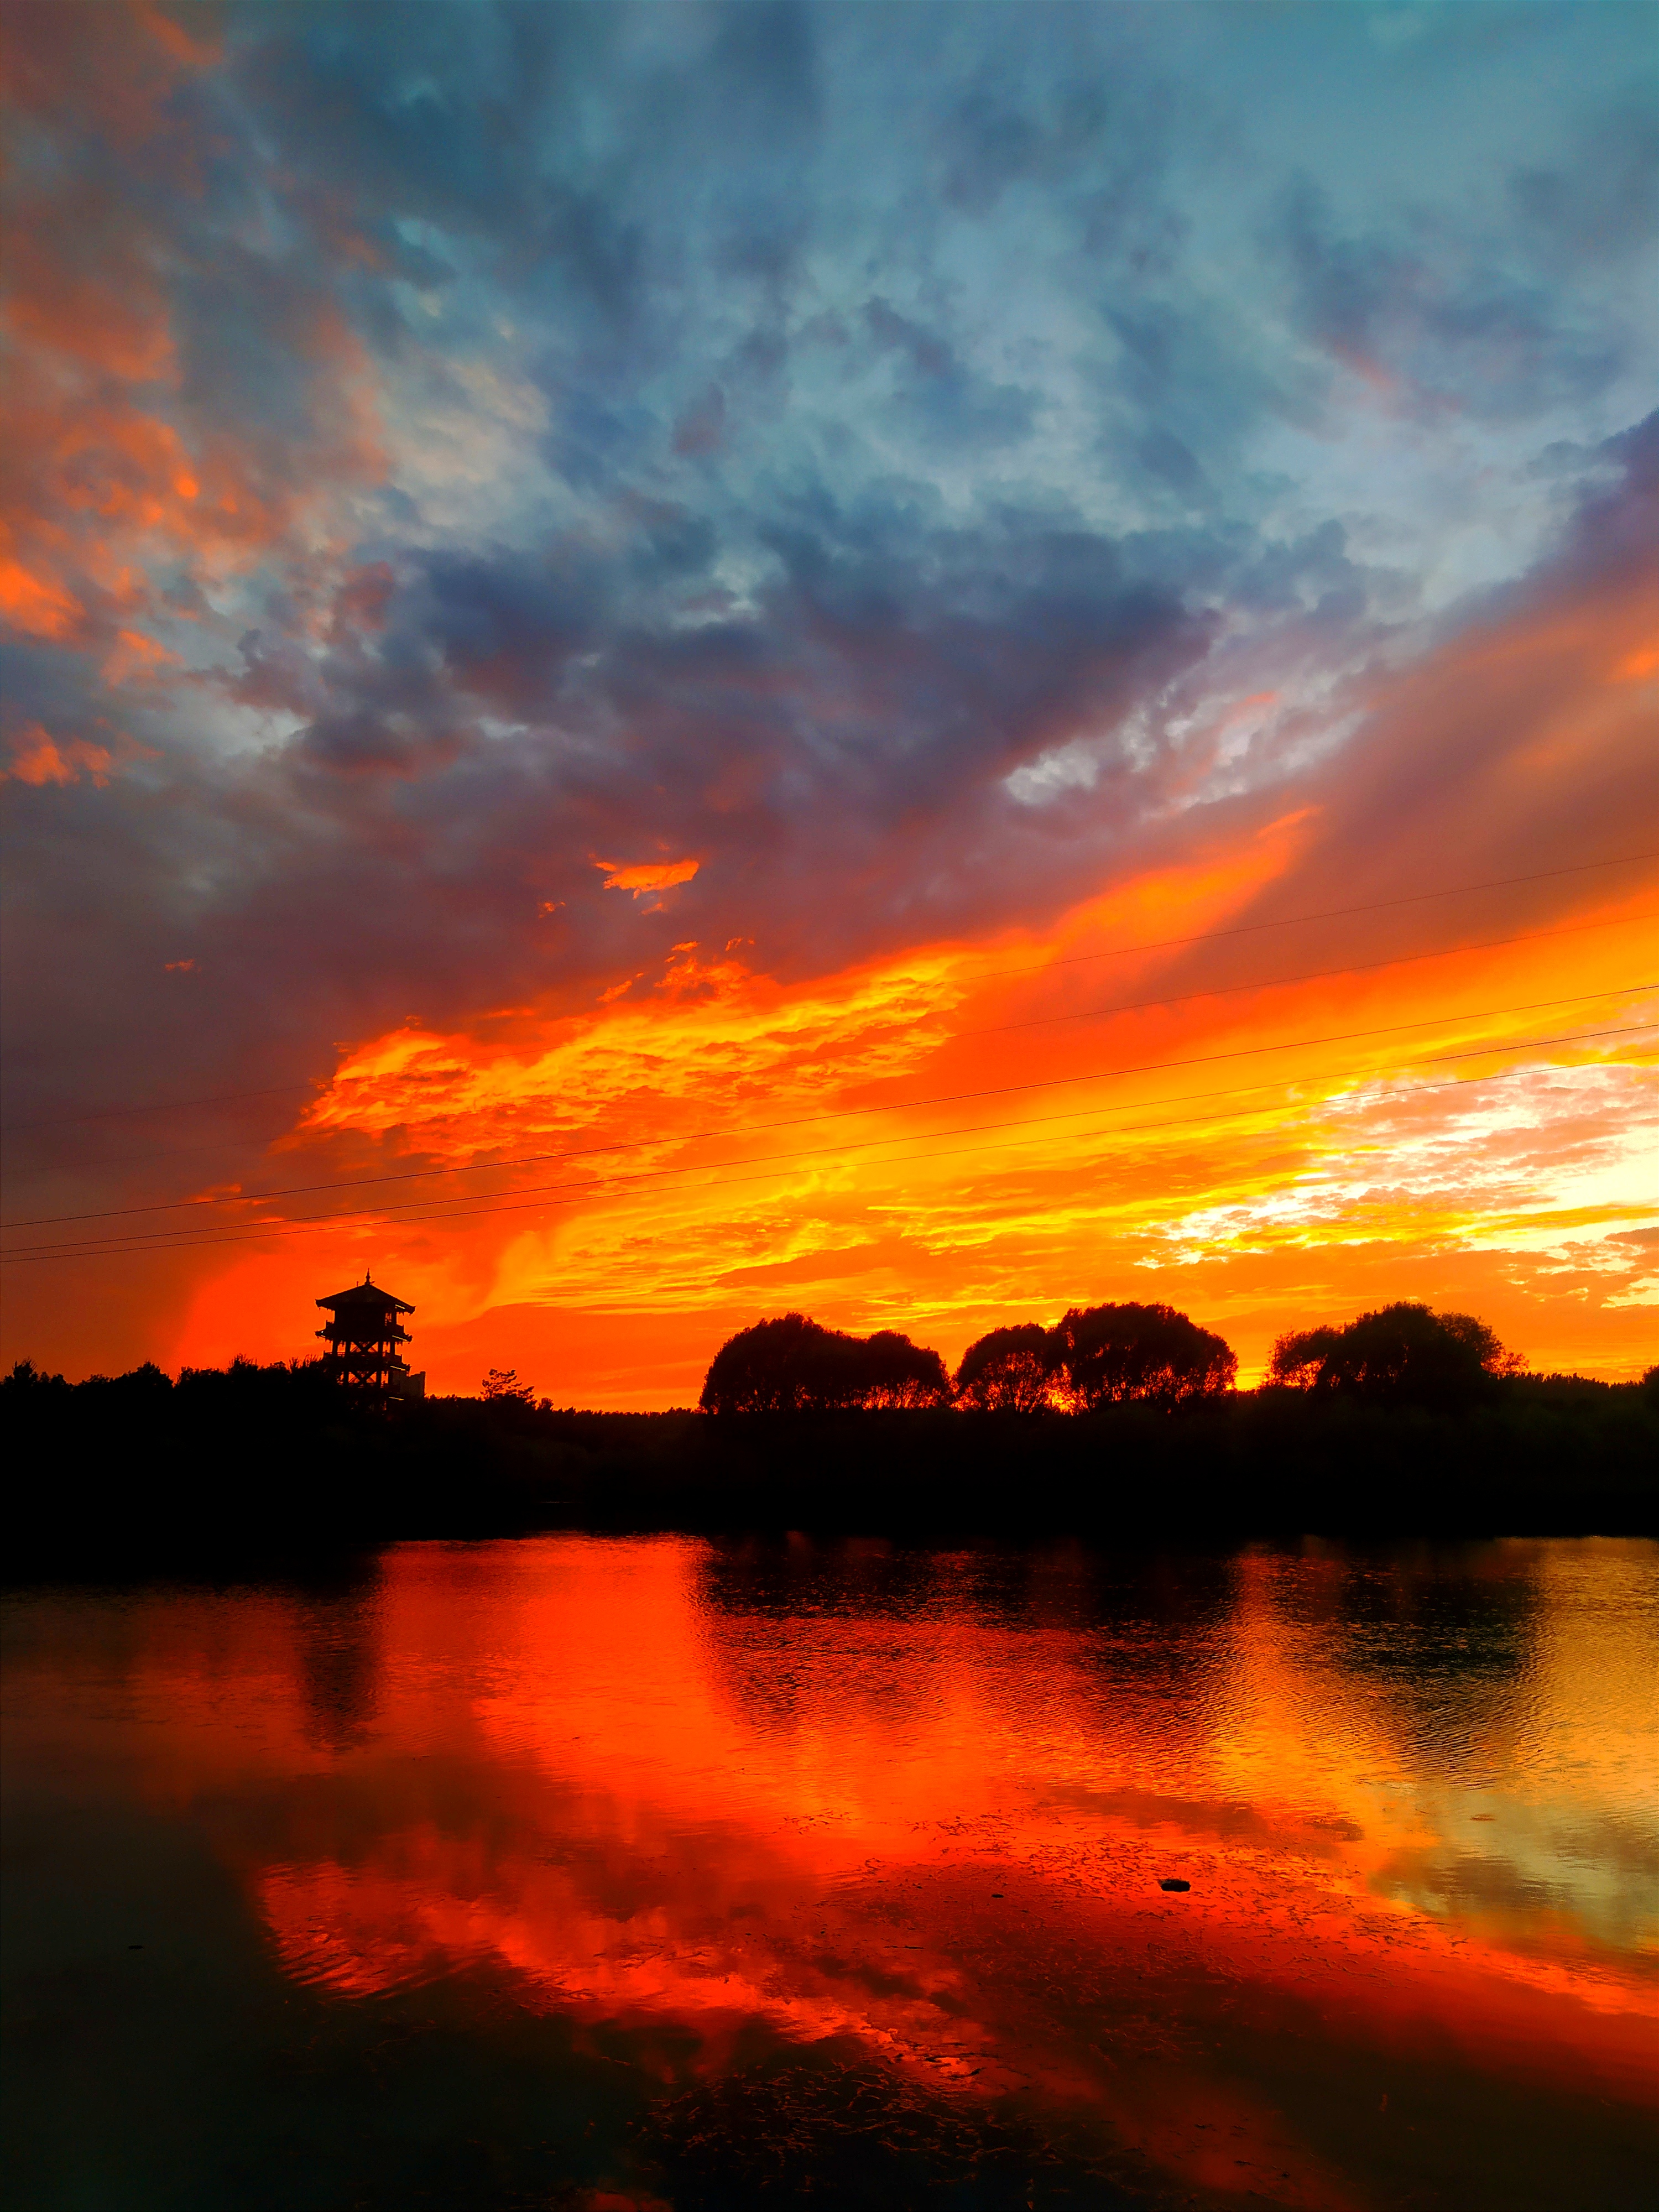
[(502, 1385), (26, 1381), (1402, 1353), (1105, 1355), (1007, 1370), (243, 1392), (792, 1365)]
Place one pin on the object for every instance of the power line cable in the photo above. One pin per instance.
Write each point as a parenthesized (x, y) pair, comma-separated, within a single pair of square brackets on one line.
[(1087, 1013), (1329, 914), (332, 1225), (801, 1121), (464, 1206), (990, 975), (478, 1204), (1314, 976)]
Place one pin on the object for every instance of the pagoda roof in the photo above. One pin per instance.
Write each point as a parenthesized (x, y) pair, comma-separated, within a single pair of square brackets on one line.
[(367, 1294)]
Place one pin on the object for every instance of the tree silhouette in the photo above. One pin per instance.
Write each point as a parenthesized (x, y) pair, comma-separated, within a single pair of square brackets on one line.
[(1299, 1357), (1104, 1355), (896, 1372), (1007, 1370), (27, 1379), (502, 1385), (777, 1366), (1402, 1351), (792, 1365)]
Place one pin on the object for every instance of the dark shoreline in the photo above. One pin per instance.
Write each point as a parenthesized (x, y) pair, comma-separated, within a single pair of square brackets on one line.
[(265, 1468)]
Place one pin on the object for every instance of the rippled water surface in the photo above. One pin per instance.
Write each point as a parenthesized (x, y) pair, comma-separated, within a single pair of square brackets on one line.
[(592, 1872)]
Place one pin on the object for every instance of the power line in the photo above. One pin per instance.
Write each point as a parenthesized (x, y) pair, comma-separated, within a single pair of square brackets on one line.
[(1316, 975), (988, 975), (801, 1121), (537, 1197), (1329, 914), (173, 1105), (480, 1204), (327, 1224), (1087, 1013)]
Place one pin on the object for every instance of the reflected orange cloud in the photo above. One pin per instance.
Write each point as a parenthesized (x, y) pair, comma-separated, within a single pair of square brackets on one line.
[(626, 1782)]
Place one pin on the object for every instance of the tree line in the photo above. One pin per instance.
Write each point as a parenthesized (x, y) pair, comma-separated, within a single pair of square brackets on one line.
[(1093, 1356), (1097, 1355), (1404, 1421)]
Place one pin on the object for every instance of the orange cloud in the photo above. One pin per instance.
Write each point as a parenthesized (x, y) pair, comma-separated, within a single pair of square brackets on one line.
[(118, 82), (36, 604), (38, 758), (650, 876), (111, 472), (137, 658)]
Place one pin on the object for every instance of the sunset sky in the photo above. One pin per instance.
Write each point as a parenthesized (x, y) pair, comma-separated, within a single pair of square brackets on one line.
[(920, 662)]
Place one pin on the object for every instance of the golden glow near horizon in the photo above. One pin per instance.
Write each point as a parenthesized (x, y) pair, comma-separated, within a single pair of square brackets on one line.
[(1068, 1120)]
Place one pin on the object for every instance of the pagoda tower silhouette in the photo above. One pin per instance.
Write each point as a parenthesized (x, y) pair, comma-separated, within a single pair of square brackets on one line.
[(362, 1334)]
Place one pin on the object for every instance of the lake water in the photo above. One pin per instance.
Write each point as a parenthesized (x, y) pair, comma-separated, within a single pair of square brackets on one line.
[(591, 1873)]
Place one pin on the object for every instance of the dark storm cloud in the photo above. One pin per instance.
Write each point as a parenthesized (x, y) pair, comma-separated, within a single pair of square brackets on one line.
[(850, 730), (1598, 204), (990, 139), (948, 400), (888, 677), (1436, 316)]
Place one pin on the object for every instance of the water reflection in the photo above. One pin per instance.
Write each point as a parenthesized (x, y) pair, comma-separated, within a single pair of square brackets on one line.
[(859, 1845), (339, 1631)]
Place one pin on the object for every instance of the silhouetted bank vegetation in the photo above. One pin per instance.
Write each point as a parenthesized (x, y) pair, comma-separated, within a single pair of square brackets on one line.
[(1095, 1356), (1120, 1423), (1099, 1356), (794, 1365)]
